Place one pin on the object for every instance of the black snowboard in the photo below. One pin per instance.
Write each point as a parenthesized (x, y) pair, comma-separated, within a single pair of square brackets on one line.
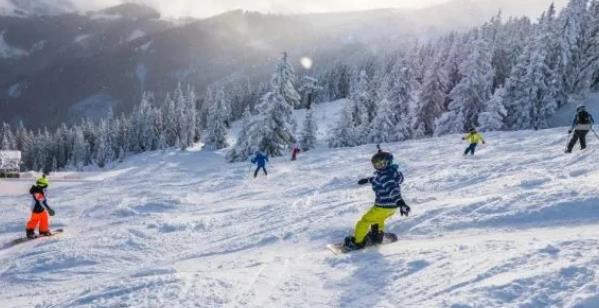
[(26, 239), (341, 248)]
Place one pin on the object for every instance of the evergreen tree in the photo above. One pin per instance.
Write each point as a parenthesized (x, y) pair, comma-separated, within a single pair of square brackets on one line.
[(216, 137), (244, 147), (382, 128), (402, 95), (430, 102), (309, 90), (590, 61), (363, 100), (540, 77), (344, 134), (275, 125), (471, 93), (494, 112), (308, 135), (81, 152), (7, 138), (284, 79), (571, 41)]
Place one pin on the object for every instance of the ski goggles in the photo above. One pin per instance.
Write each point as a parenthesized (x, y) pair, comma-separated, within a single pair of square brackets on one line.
[(379, 164)]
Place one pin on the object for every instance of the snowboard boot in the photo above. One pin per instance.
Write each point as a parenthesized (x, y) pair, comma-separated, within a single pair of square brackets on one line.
[(45, 233), (30, 233), (376, 237), (350, 243)]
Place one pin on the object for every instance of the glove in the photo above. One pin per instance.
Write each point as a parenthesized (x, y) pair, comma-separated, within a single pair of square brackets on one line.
[(51, 211), (569, 131), (404, 209), (363, 181)]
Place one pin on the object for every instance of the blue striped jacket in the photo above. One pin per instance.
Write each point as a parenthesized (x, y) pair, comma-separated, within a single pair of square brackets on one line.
[(386, 185)]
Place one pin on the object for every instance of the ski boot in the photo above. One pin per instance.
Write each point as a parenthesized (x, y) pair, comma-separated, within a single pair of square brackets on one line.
[(375, 236), (30, 233), (350, 244)]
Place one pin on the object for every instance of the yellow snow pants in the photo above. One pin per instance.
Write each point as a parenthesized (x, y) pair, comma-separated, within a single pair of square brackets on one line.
[(376, 215)]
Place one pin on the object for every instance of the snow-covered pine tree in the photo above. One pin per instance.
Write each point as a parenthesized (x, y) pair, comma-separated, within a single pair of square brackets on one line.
[(382, 128), (309, 90), (190, 115), (402, 95), (516, 98), (344, 134), (285, 81), (169, 114), (430, 102), (468, 97), (244, 146), (540, 78), (103, 151), (494, 112), (571, 25), (81, 153), (7, 138), (216, 137), (308, 135), (590, 61), (530, 91), (275, 125)]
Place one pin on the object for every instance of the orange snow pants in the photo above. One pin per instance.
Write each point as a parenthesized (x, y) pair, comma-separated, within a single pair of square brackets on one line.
[(41, 219)]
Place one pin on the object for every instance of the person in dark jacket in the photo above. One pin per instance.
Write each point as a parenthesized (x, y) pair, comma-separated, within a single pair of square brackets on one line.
[(39, 209), (386, 186), (260, 159), (582, 123)]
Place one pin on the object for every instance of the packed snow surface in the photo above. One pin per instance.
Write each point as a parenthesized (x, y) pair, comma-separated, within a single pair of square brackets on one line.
[(514, 226)]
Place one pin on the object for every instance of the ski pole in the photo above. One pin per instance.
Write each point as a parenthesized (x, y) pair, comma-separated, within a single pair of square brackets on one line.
[(594, 132)]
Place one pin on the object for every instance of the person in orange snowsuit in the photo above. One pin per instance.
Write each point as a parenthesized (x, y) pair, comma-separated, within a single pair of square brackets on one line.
[(39, 209)]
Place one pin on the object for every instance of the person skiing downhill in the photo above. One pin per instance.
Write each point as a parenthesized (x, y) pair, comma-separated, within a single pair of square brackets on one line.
[(295, 149), (260, 159), (474, 138), (386, 186), (582, 123), (39, 209)]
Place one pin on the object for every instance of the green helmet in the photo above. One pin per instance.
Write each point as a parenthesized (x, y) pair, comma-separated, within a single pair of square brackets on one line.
[(42, 182)]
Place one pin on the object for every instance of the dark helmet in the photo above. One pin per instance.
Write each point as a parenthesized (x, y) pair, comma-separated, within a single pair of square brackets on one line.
[(580, 108), (381, 160), (472, 130)]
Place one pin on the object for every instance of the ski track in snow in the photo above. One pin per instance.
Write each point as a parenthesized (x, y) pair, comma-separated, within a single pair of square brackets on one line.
[(514, 226)]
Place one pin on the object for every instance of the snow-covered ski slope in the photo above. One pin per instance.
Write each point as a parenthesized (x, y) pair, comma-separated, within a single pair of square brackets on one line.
[(515, 226)]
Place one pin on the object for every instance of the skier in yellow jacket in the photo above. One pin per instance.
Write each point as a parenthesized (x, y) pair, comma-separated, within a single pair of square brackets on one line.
[(474, 138)]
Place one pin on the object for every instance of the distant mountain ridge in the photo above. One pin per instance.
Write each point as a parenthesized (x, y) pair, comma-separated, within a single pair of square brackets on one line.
[(59, 67)]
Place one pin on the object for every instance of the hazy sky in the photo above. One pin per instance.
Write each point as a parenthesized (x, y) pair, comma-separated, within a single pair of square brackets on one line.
[(205, 8)]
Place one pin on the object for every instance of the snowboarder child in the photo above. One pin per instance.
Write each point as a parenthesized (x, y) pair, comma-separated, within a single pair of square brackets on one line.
[(582, 123), (260, 159), (39, 209), (386, 186), (474, 138)]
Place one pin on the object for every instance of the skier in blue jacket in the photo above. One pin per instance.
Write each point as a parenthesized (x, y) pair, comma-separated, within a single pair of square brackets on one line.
[(260, 159)]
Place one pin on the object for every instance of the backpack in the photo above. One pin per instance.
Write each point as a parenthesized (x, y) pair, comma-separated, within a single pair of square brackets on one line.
[(583, 117)]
